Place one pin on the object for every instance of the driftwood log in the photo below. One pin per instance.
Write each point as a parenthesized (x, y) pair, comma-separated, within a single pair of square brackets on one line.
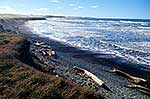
[(140, 83), (92, 77), (134, 79), (138, 87)]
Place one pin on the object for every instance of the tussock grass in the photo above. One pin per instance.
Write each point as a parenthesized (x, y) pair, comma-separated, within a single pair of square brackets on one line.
[(10, 37)]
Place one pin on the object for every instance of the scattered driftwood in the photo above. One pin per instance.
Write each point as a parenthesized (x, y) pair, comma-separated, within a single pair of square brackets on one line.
[(134, 79), (39, 43), (143, 84), (138, 87), (92, 76), (44, 49)]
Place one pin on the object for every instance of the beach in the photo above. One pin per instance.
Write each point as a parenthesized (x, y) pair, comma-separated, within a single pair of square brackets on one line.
[(68, 56)]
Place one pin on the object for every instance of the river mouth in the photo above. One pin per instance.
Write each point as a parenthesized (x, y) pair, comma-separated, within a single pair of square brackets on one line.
[(124, 43)]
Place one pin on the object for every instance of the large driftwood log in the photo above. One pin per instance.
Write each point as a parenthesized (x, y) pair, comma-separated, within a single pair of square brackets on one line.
[(92, 76)]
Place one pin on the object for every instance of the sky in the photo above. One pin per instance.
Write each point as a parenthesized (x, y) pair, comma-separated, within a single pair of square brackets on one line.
[(88, 8)]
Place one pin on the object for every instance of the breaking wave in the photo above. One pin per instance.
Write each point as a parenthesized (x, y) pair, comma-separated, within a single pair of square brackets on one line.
[(124, 39)]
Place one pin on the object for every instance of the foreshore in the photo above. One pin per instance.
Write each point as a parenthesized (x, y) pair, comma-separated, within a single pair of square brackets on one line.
[(68, 57)]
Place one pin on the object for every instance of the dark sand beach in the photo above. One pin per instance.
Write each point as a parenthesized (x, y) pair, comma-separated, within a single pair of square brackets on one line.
[(68, 57)]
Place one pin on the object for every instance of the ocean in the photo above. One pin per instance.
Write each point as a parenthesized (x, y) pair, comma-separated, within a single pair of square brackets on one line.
[(122, 40)]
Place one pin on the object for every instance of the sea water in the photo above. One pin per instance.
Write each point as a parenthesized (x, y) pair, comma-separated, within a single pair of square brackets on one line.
[(126, 39)]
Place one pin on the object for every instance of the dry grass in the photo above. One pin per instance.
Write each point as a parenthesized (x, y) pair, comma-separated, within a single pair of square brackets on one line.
[(21, 81), (9, 37)]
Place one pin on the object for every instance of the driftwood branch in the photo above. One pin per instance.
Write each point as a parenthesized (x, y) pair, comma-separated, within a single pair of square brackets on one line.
[(134, 79), (138, 87), (141, 83)]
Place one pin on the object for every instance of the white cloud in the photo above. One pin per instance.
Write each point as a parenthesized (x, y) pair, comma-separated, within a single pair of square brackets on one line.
[(94, 6), (60, 7), (56, 1), (79, 7), (41, 11), (71, 5), (8, 10)]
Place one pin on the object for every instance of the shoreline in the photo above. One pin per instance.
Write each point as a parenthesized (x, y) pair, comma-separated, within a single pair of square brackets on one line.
[(24, 75), (130, 68), (71, 56)]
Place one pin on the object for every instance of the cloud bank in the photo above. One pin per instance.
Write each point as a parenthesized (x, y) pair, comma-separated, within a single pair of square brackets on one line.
[(8, 10)]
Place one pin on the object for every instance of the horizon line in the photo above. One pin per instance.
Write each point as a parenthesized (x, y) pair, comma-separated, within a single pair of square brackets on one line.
[(50, 15)]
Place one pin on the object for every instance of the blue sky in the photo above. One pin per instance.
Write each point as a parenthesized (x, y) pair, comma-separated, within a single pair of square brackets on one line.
[(91, 8)]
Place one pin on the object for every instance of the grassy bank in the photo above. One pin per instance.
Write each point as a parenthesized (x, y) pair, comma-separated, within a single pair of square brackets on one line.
[(20, 80), (14, 16)]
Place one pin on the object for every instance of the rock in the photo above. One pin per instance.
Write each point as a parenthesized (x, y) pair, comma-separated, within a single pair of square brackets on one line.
[(39, 43), (44, 53), (57, 76), (53, 52), (1, 28), (49, 52), (54, 71)]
